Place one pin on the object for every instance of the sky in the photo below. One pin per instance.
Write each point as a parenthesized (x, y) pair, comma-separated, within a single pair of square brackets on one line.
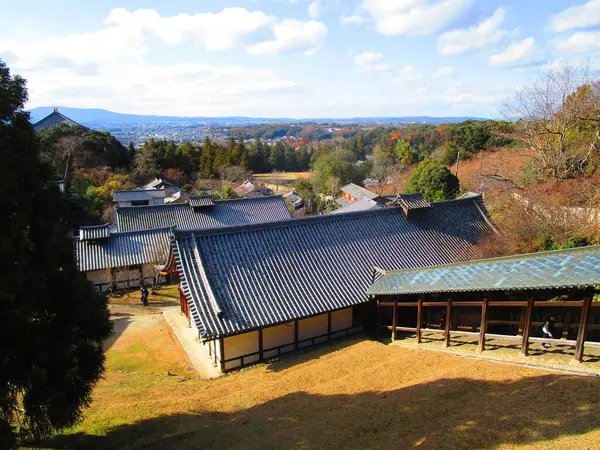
[(293, 58)]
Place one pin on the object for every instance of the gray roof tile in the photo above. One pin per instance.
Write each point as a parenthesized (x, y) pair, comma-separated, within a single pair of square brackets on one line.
[(578, 267), (123, 249), (266, 274), (224, 213), (357, 191)]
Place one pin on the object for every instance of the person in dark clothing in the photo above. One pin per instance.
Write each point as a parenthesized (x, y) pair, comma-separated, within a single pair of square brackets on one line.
[(547, 331), (144, 295)]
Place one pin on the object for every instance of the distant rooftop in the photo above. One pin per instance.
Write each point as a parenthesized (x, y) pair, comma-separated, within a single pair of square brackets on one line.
[(54, 118), (224, 213), (138, 195), (357, 191)]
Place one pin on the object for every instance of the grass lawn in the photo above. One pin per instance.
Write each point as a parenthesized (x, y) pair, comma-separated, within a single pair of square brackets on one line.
[(353, 393)]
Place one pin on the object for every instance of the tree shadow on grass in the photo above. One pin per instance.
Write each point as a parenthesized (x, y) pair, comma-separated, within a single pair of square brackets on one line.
[(302, 355), (446, 413)]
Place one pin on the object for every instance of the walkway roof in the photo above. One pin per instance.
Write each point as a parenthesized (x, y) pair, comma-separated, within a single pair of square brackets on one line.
[(572, 268)]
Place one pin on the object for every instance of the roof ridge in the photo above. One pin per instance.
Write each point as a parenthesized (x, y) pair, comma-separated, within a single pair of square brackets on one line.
[(87, 227), (500, 258), (306, 220), (186, 204)]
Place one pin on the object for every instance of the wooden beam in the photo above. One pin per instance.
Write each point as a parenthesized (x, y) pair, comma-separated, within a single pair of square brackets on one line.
[(222, 347), (260, 343), (507, 303), (419, 319), (448, 323), (522, 321), (329, 326), (296, 333), (583, 325), (398, 303), (483, 325), (434, 303), (527, 327), (560, 304), (411, 329), (476, 303), (394, 320)]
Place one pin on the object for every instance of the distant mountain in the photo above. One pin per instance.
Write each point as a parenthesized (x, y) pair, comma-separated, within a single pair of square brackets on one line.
[(95, 116)]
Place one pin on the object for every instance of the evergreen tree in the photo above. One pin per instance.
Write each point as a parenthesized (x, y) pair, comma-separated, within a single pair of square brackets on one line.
[(291, 160), (130, 155), (434, 180), (360, 150), (51, 322)]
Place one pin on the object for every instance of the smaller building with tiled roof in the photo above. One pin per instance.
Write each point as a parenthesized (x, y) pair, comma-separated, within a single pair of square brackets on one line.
[(54, 118), (353, 192), (200, 213)]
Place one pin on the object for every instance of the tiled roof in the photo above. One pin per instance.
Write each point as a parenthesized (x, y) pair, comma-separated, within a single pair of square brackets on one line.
[(54, 118), (358, 192), (364, 204), (224, 213), (413, 201), (123, 249), (242, 278), (138, 194), (94, 232), (579, 267), (201, 200)]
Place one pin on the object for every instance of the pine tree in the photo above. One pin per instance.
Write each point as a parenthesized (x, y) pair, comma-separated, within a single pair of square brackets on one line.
[(49, 313)]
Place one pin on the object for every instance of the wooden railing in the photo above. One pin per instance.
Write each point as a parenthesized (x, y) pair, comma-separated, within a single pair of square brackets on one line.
[(526, 322)]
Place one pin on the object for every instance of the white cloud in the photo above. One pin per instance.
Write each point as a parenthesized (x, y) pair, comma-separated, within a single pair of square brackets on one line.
[(370, 62), (314, 10), (212, 31), (580, 42), (474, 38), (351, 20), (442, 72), (583, 16), (292, 35), (408, 74), (180, 89), (413, 17), (516, 54)]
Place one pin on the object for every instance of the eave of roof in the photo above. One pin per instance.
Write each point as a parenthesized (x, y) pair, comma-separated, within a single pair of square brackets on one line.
[(530, 271)]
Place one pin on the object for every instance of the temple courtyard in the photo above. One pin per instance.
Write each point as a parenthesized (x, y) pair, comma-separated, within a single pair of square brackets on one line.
[(351, 393)]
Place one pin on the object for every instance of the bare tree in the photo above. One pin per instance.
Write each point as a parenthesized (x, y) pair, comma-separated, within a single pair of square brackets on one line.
[(558, 118)]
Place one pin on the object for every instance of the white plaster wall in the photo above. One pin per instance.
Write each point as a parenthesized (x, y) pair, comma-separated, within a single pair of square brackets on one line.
[(278, 336), (311, 327), (340, 320), (241, 345)]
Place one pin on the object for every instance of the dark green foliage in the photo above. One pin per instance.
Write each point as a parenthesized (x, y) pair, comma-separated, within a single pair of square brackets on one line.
[(95, 148), (335, 169), (545, 243), (434, 180), (51, 322), (449, 153), (306, 191)]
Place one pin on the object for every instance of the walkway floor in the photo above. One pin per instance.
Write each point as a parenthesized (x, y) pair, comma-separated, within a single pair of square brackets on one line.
[(189, 342), (558, 357)]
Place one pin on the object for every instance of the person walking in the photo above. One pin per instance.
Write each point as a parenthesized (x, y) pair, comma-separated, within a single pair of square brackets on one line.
[(144, 295), (547, 331)]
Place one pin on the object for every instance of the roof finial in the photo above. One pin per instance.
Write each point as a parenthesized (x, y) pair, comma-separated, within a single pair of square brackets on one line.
[(55, 109)]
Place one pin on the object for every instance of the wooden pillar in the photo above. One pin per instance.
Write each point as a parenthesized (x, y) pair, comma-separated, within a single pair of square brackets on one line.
[(394, 319), (419, 319), (527, 327), (583, 325), (448, 323), (260, 343), (222, 347), (483, 325), (296, 333), (329, 326)]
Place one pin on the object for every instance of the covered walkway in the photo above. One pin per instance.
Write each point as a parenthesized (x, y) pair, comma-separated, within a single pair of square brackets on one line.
[(501, 299)]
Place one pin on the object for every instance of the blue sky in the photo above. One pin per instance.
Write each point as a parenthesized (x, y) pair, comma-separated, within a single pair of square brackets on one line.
[(293, 58)]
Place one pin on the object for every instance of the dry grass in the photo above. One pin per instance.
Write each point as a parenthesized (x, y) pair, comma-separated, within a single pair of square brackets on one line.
[(284, 176), (354, 393)]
